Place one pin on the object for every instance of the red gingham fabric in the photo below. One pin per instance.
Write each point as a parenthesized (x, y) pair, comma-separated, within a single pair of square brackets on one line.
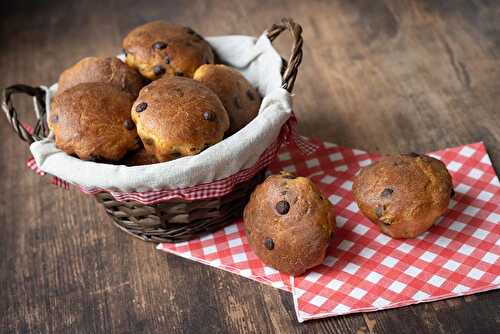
[(228, 249), (305, 146), (31, 163), (366, 270), (60, 183), (203, 191), (208, 190)]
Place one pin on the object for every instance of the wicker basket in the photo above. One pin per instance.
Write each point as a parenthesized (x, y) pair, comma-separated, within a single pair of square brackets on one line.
[(172, 220)]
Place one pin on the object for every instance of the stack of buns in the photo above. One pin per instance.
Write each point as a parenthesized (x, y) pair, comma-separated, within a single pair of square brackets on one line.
[(167, 100)]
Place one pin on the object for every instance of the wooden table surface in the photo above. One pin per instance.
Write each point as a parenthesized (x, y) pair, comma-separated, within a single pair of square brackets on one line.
[(385, 76)]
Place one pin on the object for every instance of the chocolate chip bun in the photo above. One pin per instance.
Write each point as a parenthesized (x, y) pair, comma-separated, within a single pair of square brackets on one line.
[(92, 120), (177, 117), (239, 97), (108, 70), (159, 49), (403, 194), (289, 223)]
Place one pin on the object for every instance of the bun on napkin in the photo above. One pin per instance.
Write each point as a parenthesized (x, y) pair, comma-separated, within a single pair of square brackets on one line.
[(289, 224), (403, 194)]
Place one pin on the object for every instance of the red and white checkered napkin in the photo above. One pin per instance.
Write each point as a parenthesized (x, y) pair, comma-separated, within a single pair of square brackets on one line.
[(364, 269), (228, 249)]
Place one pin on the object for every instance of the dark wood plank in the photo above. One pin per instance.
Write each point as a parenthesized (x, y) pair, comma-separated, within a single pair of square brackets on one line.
[(379, 75)]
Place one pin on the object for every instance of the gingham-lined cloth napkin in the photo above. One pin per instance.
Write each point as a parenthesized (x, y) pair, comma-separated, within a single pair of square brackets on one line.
[(365, 270)]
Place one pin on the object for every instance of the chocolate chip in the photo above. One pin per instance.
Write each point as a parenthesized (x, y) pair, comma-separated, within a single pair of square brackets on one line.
[(167, 60), (128, 124), (54, 118), (179, 73), (379, 211), (237, 102), (269, 244), (452, 193), (159, 70), (209, 116), (387, 192), (282, 207), (159, 45), (148, 141), (192, 149), (250, 95), (283, 193), (141, 107)]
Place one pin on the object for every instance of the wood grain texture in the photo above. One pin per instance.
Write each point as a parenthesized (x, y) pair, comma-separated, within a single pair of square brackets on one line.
[(384, 76)]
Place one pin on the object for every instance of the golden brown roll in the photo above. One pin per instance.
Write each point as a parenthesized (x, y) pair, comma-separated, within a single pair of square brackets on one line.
[(177, 117), (239, 97), (289, 224), (403, 194), (92, 120), (159, 49), (107, 70)]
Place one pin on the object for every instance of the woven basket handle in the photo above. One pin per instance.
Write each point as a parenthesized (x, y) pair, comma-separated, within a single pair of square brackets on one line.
[(40, 130), (292, 66)]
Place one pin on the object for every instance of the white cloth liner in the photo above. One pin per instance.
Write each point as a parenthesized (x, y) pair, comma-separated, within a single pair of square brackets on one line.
[(259, 62)]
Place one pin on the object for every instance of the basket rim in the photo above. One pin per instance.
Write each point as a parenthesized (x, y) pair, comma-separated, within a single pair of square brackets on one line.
[(291, 66), (209, 190)]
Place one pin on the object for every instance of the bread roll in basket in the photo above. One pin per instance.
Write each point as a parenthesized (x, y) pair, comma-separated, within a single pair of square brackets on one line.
[(184, 198)]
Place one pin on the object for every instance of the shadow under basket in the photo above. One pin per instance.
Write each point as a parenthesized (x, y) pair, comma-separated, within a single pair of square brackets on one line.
[(172, 220)]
